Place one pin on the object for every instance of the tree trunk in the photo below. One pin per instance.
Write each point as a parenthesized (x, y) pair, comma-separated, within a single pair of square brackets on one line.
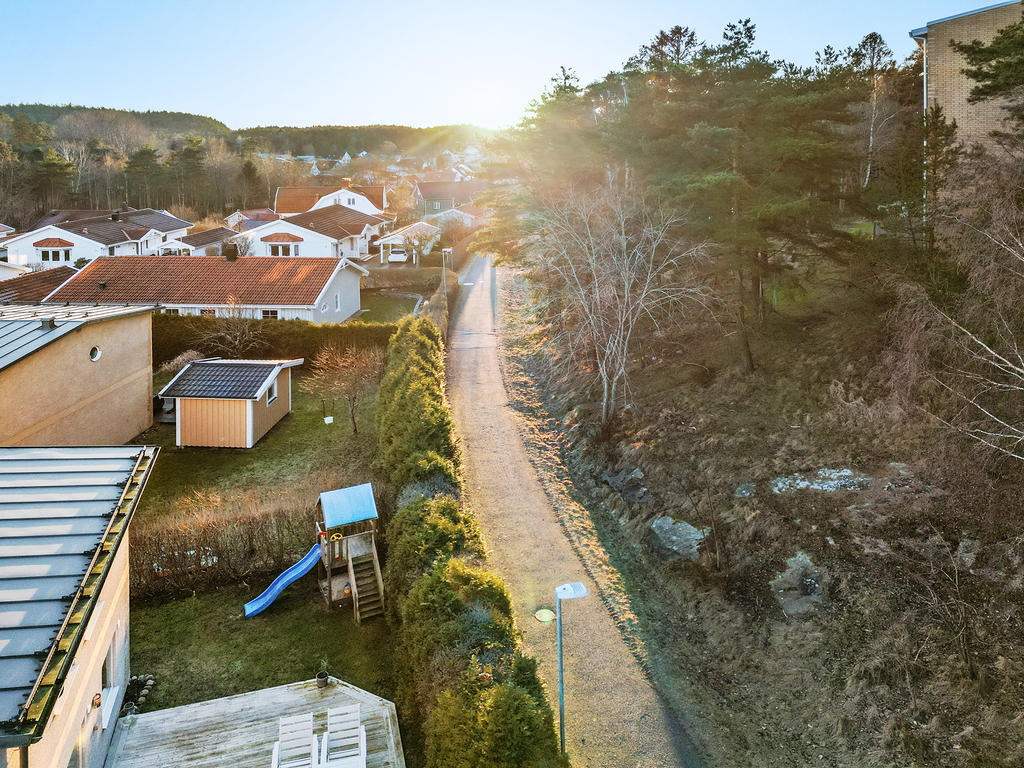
[(352, 415), (741, 321)]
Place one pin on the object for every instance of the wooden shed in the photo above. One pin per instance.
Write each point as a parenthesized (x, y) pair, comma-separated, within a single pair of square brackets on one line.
[(222, 403)]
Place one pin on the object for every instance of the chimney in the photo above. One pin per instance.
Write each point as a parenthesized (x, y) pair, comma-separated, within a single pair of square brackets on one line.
[(48, 323), (102, 284), (230, 251), (115, 215)]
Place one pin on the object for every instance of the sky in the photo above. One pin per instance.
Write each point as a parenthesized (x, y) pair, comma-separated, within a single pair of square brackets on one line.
[(339, 62)]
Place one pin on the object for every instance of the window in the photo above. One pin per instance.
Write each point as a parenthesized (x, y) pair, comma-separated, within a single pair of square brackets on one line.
[(170, 311), (272, 392), (67, 254), (111, 682), (110, 251), (95, 354), (208, 312), (282, 250), (165, 239), (269, 314), (437, 205), (351, 201), (337, 302)]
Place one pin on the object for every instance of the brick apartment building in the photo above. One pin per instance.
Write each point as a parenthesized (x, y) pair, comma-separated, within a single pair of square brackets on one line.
[(945, 84)]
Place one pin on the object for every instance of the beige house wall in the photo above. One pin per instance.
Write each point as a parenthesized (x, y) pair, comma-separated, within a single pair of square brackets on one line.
[(58, 396), (266, 416), (948, 87), (212, 423), (75, 723)]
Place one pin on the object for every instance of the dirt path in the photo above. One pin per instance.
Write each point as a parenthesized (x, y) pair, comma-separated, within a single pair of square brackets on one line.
[(614, 718)]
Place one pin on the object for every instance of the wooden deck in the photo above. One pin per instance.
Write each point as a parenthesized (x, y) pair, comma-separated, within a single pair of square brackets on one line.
[(240, 731)]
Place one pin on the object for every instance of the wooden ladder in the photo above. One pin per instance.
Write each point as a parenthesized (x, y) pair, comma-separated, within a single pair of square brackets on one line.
[(367, 587)]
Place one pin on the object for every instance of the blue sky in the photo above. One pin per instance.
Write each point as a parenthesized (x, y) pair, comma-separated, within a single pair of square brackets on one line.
[(310, 62)]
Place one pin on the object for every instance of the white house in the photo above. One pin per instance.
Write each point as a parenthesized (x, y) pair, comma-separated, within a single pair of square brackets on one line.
[(134, 233), (289, 201), (8, 271), (243, 219), (321, 290), (334, 230)]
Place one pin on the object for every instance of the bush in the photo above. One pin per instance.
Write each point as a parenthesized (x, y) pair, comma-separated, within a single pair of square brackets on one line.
[(175, 334), (480, 699)]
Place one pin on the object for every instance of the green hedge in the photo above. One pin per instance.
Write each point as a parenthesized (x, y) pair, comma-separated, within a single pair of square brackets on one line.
[(173, 334), (480, 700)]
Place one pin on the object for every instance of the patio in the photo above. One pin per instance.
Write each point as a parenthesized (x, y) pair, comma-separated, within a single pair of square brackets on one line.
[(240, 731)]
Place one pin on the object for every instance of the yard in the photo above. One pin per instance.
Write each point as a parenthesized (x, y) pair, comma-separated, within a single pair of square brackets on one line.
[(298, 451), (383, 307), (201, 647)]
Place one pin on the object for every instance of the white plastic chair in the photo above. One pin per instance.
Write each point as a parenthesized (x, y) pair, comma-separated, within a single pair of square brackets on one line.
[(296, 745), (343, 745)]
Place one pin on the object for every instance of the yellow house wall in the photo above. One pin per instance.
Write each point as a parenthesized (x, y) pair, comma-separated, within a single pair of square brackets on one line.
[(58, 396), (266, 416), (213, 423), (948, 87), (74, 719)]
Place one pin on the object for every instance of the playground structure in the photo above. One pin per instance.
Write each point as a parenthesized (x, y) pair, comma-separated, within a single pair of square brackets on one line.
[(347, 547)]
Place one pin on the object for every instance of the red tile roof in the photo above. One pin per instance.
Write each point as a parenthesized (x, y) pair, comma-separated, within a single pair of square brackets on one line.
[(299, 199), (34, 286), (253, 280), (52, 242), (374, 193), (281, 237)]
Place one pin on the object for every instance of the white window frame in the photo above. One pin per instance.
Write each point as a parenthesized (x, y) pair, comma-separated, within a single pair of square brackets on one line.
[(283, 249), (272, 392), (269, 314)]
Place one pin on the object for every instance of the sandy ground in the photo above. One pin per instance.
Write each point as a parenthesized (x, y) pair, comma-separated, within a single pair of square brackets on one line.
[(613, 716)]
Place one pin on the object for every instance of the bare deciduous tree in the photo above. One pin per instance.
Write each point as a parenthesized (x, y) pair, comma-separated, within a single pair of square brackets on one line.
[(235, 334), (346, 373), (609, 265)]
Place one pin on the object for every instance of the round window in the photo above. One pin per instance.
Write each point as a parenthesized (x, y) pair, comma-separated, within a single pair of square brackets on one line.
[(95, 354)]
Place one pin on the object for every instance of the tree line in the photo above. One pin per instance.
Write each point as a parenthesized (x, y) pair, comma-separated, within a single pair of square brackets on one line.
[(702, 177)]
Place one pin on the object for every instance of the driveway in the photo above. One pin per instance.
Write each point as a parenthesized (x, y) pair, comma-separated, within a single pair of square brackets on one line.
[(614, 718)]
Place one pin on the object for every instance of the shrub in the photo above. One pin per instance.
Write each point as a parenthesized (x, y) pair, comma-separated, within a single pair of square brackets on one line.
[(175, 364)]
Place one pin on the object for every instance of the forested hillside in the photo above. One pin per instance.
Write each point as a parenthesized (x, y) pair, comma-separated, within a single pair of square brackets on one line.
[(335, 140), (159, 122), (783, 364)]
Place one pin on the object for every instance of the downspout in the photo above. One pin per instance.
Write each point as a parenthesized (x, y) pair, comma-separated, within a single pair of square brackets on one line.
[(921, 36)]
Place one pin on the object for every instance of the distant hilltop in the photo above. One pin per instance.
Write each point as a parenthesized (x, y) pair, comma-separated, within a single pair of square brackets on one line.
[(159, 122)]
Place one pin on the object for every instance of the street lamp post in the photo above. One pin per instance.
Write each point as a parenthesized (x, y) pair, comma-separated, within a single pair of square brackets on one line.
[(567, 591)]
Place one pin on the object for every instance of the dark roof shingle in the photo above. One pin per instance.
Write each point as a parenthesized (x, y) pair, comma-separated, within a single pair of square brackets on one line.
[(459, 191), (221, 379), (209, 237)]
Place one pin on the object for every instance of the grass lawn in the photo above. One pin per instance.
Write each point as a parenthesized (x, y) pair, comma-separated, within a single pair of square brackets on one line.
[(201, 647), (384, 308), (299, 447)]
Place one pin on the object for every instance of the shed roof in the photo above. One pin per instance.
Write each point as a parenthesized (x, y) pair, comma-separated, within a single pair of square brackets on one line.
[(348, 505), (63, 513), (27, 329), (220, 379)]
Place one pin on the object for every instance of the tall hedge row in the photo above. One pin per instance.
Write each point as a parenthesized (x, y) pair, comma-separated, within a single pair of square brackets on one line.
[(173, 334), (479, 698)]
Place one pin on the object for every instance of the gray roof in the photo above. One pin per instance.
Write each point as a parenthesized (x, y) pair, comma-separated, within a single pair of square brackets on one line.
[(226, 379), (63, 513), (209, 237), (129, 226), (27, 329)]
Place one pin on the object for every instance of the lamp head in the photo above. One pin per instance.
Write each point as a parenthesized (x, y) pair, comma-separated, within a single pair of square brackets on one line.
[(571, 590)]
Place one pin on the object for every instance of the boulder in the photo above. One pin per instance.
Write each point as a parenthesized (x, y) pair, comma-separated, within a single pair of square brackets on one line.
[(675, 539), (802, 587)]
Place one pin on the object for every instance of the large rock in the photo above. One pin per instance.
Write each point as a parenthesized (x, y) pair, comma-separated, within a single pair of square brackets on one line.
[(675, 539), (802, 587), (825, 479)]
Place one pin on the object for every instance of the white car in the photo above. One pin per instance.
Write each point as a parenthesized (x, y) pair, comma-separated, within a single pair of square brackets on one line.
[(397, 255)]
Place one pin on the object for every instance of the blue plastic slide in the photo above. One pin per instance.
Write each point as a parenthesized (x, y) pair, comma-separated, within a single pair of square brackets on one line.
[(277, 586)]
